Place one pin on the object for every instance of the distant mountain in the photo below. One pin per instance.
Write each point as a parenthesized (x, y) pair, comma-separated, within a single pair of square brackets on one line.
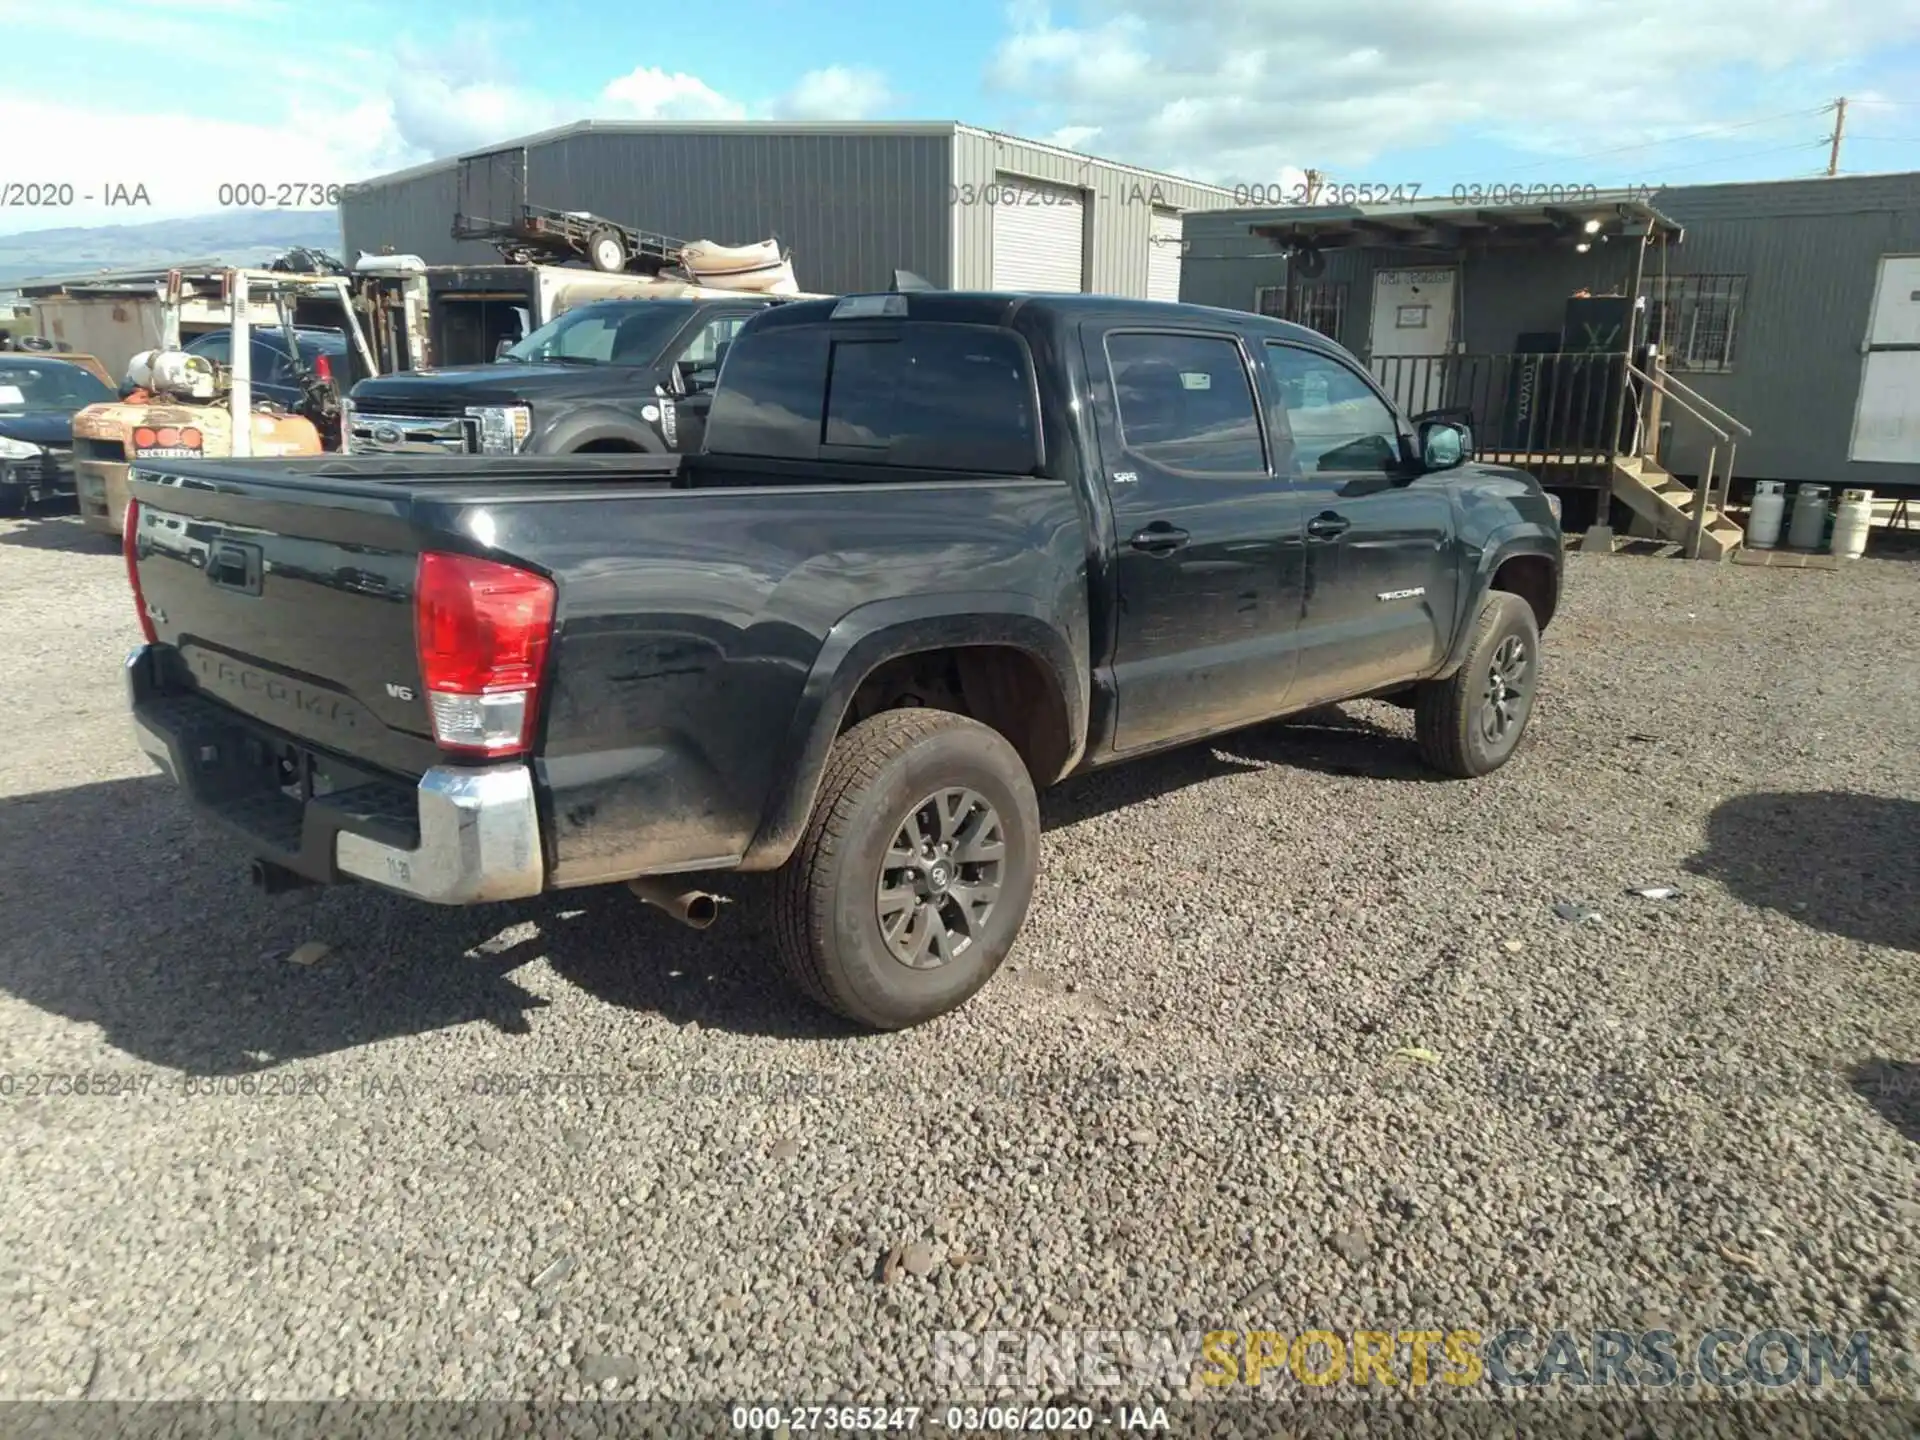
[(236, 237)]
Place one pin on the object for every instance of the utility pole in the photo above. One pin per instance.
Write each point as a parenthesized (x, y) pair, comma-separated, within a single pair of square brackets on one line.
[(1839, 130)]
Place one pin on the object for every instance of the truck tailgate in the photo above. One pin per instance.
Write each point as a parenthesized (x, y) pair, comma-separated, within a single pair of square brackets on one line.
[(292, 603)]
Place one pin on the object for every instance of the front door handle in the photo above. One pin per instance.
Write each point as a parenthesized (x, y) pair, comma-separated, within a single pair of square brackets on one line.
[(1159, 538), (1328, 526)]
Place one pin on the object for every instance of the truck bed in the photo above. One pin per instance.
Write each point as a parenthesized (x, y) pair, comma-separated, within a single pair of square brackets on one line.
[(693, 618)]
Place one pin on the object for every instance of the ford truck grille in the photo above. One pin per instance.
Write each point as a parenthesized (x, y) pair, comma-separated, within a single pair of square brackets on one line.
[(373, 432)]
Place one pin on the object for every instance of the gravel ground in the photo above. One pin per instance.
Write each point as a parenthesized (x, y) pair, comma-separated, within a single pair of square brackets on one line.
[(1294, 1038)]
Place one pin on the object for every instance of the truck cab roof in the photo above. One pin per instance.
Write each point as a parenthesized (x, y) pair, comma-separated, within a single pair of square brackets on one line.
[(1000, 308)]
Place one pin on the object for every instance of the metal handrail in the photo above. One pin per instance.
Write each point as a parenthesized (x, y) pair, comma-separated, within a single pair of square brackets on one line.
[(1690, 393), (1681, 400)]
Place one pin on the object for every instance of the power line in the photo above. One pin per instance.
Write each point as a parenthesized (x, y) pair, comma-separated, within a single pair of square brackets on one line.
[(1819, 144), (1888, 139), (1713, 133)]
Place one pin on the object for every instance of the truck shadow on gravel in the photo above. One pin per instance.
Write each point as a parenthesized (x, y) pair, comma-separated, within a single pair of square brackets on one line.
[(54, 530), (1335, 741), (1836, 860), (142, 923), (1892, 1088)]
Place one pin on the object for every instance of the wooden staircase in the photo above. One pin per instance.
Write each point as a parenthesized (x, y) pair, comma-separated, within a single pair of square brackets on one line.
[(1693, 516), (1667, 505)]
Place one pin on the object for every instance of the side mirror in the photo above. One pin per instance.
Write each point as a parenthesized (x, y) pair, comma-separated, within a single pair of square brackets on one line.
[(1443, 446), (500, 350)]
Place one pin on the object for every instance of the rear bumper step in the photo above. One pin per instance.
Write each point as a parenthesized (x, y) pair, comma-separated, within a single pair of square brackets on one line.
[(461, 836)]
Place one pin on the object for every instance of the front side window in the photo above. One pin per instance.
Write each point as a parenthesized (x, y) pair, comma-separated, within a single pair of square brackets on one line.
[(1185, 402), (217, 346), (633, 333), (1337, 422), (270, 365), (704, 348)]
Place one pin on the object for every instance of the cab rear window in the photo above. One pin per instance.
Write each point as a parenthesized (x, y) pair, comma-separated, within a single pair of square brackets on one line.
[(927, 396)]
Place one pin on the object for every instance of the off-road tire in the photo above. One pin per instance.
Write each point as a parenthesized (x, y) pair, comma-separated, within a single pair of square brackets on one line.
[(1448, 713), (827, 926)]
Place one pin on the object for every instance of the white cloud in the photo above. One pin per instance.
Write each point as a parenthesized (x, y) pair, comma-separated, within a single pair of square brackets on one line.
[(838, 92), (85, 147), (1073, 137), (1237, 89), (655, 94)]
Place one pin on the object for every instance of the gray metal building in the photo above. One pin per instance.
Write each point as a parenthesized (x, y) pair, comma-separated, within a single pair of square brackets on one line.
[(963, 207), (1794, 305)]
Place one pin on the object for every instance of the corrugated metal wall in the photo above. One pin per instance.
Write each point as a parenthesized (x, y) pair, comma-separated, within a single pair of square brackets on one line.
[(1810, 251), (852, 206), (412, 212), (1120, 205)]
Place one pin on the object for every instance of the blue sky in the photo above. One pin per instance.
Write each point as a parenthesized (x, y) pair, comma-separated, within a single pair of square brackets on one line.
[(1388, 92)]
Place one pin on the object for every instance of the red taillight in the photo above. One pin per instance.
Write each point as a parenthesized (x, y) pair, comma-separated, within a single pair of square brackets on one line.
[(323, 369), (129, 528), (168, 435), (190, 437), (482, 631), (143, 438)]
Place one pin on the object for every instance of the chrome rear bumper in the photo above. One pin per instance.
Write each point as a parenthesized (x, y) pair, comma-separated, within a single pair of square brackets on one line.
[(478, 828)]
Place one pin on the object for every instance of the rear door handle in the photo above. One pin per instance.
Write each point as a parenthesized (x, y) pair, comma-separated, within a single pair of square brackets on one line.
[(1328, 527), (1159, 538)]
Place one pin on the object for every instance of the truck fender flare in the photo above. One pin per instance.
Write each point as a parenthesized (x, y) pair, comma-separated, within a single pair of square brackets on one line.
[(1523, 537), (587, 427), (873, 634)]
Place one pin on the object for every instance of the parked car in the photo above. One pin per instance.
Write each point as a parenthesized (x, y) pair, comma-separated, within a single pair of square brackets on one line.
[(939, 552), (39, 396), (274, 375), (613, 376)]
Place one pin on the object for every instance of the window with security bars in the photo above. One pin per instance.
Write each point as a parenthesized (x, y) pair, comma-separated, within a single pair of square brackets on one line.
[(1695, 319), (1318, 307)]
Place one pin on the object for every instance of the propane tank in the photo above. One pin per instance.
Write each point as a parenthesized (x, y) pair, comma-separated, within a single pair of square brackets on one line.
[(1769, 508), (1852, 524), (1808, 527)]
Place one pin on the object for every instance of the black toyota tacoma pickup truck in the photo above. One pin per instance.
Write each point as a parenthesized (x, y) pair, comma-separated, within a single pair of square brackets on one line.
[(939, 552), (614, 376)]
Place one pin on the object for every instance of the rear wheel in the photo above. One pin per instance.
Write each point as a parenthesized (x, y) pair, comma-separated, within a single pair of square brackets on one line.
[(1471, 723), (607, 251), (916, 869)]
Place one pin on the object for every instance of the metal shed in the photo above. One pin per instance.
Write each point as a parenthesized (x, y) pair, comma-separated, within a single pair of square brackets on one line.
[(963, 207), (1792, 305)]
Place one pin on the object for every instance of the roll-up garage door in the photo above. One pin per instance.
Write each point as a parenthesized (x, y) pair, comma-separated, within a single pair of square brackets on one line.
[(1039, 236), (1163, 256)]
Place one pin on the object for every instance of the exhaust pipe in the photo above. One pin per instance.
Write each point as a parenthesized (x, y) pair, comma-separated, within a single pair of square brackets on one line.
[(272, 879), (696, 909)]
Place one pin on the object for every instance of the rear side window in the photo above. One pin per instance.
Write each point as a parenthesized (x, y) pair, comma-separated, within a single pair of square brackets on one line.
[(1185, 402), (937, 397)]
